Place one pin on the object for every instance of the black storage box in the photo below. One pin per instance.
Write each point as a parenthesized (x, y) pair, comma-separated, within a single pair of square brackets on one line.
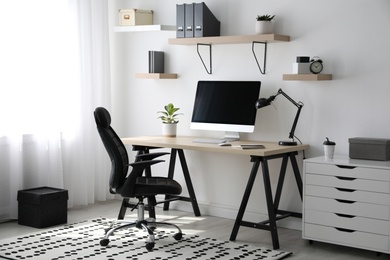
[(369, 148), (42, 207)]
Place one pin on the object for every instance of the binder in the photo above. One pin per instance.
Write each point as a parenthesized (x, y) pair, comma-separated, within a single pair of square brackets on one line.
[(196, 20), (189, 21), (205, 23), (156, 62), (180, 20)]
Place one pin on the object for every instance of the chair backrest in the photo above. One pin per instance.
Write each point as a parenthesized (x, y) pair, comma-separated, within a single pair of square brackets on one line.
[(115, 149)]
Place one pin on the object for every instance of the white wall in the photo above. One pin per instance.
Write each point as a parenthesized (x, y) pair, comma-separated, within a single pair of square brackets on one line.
[(351, 36)]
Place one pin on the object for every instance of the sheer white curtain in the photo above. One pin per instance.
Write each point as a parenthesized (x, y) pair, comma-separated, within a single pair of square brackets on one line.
[(54, 71)]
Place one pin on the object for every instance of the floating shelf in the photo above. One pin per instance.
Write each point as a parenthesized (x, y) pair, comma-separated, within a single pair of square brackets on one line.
[(156, 76), (263, 39), (230, 39), (308, 77), (145, 28)]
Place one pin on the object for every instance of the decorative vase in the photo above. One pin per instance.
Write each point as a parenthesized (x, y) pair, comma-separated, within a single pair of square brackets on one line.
[(169, 130), (263, 27)]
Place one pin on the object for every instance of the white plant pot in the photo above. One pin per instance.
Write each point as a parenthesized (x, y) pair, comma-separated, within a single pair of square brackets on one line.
[(263, 27), (169, 130)]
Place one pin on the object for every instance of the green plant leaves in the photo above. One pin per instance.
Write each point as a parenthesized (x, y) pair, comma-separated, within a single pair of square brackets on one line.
[(169, 115), (265, 17)]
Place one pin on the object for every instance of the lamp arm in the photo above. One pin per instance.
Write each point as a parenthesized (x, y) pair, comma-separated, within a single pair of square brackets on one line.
[(300, 104), (291, 135)]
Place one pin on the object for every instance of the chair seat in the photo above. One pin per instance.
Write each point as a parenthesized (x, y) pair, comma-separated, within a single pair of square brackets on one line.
[(156, 185)]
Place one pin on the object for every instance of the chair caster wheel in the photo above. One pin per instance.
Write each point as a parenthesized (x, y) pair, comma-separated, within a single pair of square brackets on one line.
[(177, 236), (149, 246), (104, 241)]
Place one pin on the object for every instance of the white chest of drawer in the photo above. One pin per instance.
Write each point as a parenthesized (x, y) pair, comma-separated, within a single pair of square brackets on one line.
[(347, 202)]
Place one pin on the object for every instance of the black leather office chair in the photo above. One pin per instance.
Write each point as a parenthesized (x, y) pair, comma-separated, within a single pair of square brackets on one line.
[(133, 184)]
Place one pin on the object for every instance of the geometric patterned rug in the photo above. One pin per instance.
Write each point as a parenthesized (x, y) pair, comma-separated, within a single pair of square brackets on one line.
[(81, 241)]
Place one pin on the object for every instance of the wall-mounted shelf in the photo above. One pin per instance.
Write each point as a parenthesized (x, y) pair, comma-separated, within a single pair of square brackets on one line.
[(156, 76), (149, 28), (254, 39), (307, 77), (145, 28), (230, 39)]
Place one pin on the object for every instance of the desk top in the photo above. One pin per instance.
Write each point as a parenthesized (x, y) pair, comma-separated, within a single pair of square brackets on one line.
[(186, 143)]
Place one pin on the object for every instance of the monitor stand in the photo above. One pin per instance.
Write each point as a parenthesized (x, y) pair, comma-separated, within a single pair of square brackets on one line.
[(232, 136)]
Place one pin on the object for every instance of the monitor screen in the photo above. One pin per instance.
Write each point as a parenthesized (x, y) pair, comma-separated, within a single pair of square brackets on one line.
[(226, 106)]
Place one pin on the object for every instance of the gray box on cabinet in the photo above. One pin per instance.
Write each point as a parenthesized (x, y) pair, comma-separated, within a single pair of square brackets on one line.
[(369, 148)]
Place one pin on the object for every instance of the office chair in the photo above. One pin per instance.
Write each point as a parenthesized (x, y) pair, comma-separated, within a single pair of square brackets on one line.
[(133, 184)]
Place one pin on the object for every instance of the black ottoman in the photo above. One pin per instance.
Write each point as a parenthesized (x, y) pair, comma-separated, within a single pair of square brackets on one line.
[(42, 207)]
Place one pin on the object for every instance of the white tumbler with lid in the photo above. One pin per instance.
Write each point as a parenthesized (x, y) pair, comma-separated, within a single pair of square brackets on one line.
[(329, 147)]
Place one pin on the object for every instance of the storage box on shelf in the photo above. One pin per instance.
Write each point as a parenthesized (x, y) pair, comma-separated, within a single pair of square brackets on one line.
[(347, 202), (135, 17)]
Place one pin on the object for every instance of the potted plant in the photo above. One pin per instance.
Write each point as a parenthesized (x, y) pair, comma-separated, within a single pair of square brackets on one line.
[(169, 120), (264, 24)]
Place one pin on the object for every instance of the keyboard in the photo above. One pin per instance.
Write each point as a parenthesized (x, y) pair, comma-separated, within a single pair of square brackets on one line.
[(209, 140)]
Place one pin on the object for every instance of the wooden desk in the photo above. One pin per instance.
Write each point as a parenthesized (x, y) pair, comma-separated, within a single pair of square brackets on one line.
[(272, 151)]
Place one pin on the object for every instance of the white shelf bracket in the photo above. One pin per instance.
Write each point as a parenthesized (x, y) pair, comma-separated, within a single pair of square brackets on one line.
[(262, 71), (209, 71)]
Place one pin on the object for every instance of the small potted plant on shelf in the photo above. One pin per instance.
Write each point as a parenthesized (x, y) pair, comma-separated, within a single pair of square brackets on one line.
[(169, 120), (264, 24)]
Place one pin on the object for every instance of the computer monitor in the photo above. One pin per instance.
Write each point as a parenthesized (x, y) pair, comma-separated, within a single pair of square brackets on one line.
[(227, 106)]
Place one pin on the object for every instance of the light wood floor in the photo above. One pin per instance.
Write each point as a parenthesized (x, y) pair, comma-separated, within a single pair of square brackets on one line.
[(290, 240)]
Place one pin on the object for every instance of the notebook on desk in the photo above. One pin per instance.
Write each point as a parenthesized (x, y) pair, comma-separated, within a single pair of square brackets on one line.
[(249, 146)]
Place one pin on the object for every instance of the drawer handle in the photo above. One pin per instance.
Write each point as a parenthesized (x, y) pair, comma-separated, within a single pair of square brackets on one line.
[(345, 201), (345, 190), (345, 215), (345, 230), (346, 166), (345, 178)]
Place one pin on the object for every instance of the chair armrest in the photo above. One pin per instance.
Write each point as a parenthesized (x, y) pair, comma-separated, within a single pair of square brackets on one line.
[(141, 165), (137, 170), (149, 156)]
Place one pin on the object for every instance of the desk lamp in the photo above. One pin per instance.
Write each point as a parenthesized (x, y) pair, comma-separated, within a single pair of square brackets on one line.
[(263, 102)]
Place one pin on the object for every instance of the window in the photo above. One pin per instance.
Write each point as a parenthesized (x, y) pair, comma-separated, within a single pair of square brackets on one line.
[(39, 66)]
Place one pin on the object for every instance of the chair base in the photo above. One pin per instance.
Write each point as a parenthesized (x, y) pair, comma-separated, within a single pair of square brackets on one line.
[(147, 226)]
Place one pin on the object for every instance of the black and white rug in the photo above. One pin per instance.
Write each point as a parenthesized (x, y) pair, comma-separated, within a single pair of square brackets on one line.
[(81, 241)]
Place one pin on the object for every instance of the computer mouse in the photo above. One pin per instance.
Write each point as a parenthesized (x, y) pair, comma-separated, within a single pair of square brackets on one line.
[(225, 144)]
